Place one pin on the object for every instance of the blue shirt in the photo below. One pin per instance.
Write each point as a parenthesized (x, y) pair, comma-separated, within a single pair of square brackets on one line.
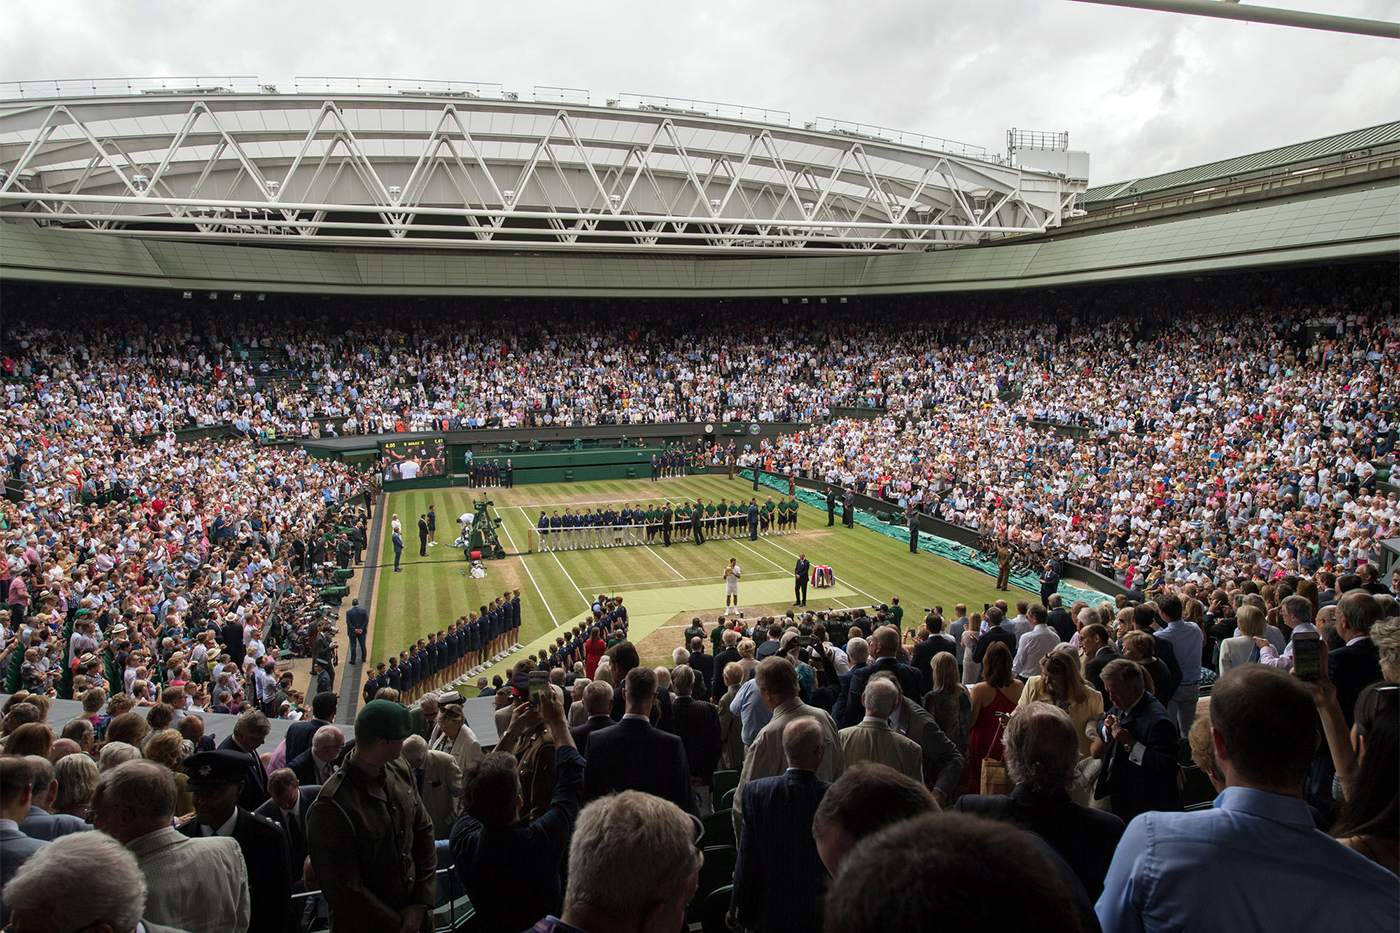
[(1185, 639), (753, 715), (1254, 862)]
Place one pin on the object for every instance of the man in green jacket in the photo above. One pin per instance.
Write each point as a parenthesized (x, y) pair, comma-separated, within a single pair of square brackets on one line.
[(369, 836)]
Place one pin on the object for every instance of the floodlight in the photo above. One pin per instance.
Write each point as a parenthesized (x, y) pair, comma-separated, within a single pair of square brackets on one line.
[(395, 191), (714, 204), (616, 200), (272, 187), (189, 294), (213, 295), (237, 296), (262, 297)]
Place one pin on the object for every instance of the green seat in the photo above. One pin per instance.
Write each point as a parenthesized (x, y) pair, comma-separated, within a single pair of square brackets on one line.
[(719, 828), (712, 912), (717, 872), (725, 780), (726, 802)]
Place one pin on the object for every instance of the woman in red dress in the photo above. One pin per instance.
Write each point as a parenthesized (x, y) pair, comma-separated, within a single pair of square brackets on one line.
[(998, 693), (595, 646)]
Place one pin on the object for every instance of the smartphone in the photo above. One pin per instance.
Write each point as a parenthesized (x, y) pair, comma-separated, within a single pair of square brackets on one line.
[(1307, 656), (539, 683), (804, 641)]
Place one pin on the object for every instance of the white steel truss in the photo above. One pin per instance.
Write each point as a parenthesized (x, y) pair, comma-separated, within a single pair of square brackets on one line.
[(431, 171)]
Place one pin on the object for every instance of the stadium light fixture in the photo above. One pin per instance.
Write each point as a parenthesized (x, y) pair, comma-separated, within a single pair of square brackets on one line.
[(189, 294), (140, 182), (213, 295), (272, 187), (395, 191), (262, 297), (237, 296)]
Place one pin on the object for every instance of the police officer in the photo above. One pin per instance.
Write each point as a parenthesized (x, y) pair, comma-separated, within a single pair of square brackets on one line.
[(215, 779), (369, 836)]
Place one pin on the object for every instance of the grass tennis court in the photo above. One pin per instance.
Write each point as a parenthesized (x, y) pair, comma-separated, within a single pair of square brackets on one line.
[(662, 587)]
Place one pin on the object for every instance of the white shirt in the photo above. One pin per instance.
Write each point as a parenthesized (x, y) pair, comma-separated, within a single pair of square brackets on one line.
[(1034, 645), (225, 830), (409, 469)]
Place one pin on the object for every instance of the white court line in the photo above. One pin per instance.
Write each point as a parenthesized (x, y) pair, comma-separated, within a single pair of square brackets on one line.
[(586, 601), (618, 586), (764, 556), (862, 592), (532, 576), (663, 560)]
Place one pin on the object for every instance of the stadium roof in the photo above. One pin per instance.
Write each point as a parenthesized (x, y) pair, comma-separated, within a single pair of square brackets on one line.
[(1372, 140)]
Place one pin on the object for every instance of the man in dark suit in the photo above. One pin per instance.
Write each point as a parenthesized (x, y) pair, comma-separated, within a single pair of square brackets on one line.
[(913, 531), (666, 518), (800, 573), (1358, 664), (729, 655), (921, 655), (316, 764), (249, 733), (1042, 749), (634, 755), (1139, 741), (1098, 653), (1059, 619), (753, 518), (287, 807), (232, 636), (624, 655), (1049, 579), (697, 725), (884, 647), (423, 535), (703, 665), (830, 506), (779, 878), (216, 779), (597, 703), (357, 624), (323, 707), (848, 508), (996, 632)]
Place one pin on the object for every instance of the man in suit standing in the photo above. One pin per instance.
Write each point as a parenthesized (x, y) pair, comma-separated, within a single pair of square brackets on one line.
[(249, 734), (703, 665), (195, 884), (1139, 741), (753, 519), (848, 508), (697, 724), (1357, 665), (316, 764), (1042, 749), (439, 781), (731, 725), (666, 517), (830, 506), (800, 573), (884, 650), (216, 780), (999, 629), (697, 524), (357, 624), (1003, 567), (933, 640), (776, 679), (299, 734), (1049, 579), (398, 550), (423, 717), (16, 794), (1099, 652), (872, 739), (423, 535), (779, 879), (232, 637), (287, 807), (633, 755), (913, 530), (597, 703)]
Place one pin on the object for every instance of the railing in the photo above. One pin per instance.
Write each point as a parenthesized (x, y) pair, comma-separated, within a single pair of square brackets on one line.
[(702, 108), (453, 909), (904, 138), (1035, 139), (562, 95), (407, 86), (97, 87)]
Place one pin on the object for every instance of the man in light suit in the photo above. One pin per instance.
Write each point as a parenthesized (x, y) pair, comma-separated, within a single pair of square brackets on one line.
[(439, 782), (634, 755), (39, 823), (777, 687), (106, 887), (872, 739), (779, 879), (288, 805), (16, 793), (198, 885)]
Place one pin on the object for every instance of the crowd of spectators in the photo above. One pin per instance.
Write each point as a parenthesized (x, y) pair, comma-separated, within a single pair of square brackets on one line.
[(1221, 455)]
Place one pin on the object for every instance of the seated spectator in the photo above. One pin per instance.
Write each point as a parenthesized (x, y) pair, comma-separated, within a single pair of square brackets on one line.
[(491, 842), (861, 802), (1223, 868), (1042, 749), (885, 881), (633, 865)]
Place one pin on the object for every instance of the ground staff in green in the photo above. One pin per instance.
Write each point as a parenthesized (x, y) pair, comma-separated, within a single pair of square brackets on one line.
[(369, 837)]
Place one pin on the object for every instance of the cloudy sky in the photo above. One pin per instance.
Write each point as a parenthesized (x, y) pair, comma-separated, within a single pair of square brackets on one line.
[(1141, 91)]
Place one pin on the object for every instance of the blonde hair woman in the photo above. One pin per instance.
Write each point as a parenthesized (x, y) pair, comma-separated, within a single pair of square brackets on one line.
[(167, 747), (948, 702), (1061, 684), (1241, 649), (451, 734)]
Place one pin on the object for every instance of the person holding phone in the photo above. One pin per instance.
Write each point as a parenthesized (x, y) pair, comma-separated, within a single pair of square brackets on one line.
[(1297, 615)]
